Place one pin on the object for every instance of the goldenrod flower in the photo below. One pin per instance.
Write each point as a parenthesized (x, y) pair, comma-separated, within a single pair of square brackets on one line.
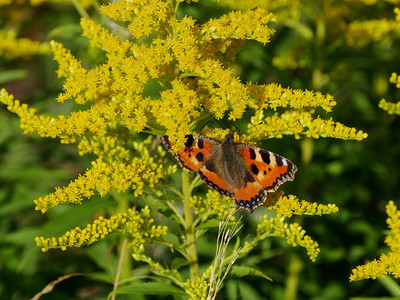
[(293, 233), (272, 96), (364, 32), (283, 9), (299, 123), (102, 178), (387, 263), (197, 288), (237, 25), (392, 108), (137, 227), (12, 47), (288, 205)]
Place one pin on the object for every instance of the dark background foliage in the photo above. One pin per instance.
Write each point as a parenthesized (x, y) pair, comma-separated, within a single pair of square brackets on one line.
[(359, 177)]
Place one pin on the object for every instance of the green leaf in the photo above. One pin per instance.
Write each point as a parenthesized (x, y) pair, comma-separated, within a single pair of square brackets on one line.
[(12, 75), (15, 206), (247, 291), (65, 31), (209, 224), (179, 262), (148, 288), (241, 271), (375, 298), (21, 237), (155, 203)]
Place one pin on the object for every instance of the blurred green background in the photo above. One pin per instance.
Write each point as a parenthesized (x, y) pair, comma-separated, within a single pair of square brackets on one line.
[(310, 51)]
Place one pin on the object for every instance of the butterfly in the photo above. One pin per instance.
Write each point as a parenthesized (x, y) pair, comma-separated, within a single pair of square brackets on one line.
[(242, 172)]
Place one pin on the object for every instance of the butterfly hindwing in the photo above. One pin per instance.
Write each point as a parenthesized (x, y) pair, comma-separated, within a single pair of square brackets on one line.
[(192, 155), (250, 196), (269, 169), (213, 180)]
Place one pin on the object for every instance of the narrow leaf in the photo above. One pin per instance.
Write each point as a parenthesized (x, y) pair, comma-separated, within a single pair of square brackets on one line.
[(241, 271), (148, 288)]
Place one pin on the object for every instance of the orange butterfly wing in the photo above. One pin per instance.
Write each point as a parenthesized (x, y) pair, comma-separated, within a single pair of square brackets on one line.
[(268, 169), (191, 156)]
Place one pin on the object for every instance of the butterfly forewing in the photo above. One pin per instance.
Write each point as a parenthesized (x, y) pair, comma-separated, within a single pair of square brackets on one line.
[(269, 169), (192, 155)]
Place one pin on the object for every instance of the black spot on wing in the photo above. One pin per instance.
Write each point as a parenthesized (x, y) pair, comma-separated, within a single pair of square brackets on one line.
[(254, 169), (265, 156), (200, 143), (189, 140), (252, 153), (200, 157), (278, 160)]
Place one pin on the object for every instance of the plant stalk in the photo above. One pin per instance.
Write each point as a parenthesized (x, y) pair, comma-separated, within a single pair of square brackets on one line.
[(189, 228)]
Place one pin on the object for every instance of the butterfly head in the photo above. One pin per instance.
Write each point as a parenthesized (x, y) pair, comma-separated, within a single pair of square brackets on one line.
[(229, 137)]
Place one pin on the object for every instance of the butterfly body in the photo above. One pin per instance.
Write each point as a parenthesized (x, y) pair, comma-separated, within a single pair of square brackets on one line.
[(242, 172)]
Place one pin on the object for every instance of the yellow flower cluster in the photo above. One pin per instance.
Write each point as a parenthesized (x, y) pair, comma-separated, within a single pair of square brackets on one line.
[(293, 233), (213, 203), (394, 78), (273, 96), (149, 15), (300, 123), (76, 124), (392, 108), (104, 177), (387, 263), (197, 288), (12, 47), (364, 32), (286, 206), (288, 61), (80, 84), (137, 227), (83, 3), (373, 2), (393, 240), (178, 98), (284, 9), (237, 25)]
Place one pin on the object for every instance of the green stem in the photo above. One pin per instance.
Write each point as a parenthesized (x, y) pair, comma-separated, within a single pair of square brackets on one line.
[(189, 228), (390, 285), (320, 31), (119, 267), (125, 261), (82, 12), (292, 282)]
